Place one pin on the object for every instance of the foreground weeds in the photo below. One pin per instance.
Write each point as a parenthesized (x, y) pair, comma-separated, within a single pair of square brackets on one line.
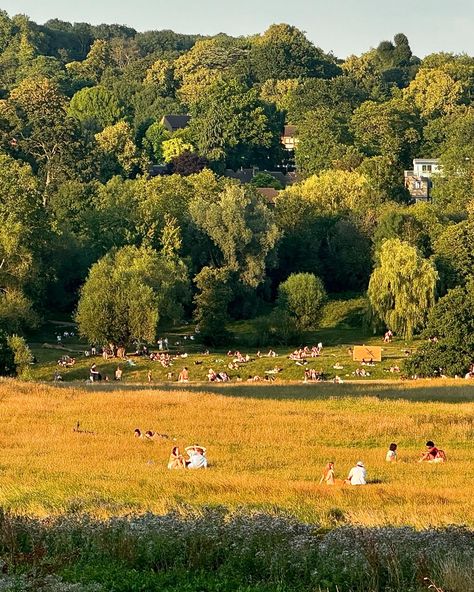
[(214, 549)]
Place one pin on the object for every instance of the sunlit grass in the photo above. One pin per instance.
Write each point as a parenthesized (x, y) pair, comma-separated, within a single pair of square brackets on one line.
[(266, 446)]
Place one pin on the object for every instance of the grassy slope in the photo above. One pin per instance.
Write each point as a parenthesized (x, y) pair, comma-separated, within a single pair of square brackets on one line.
[(267, 445), (336, 343)]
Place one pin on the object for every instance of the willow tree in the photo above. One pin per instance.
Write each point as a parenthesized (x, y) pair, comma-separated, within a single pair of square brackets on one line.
[(402, 287)]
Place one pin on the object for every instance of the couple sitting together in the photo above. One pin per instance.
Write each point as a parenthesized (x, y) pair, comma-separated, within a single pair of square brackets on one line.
[(196, 458)]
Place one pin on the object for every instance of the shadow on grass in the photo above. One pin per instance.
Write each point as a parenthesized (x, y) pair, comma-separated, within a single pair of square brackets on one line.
[(419, 391)]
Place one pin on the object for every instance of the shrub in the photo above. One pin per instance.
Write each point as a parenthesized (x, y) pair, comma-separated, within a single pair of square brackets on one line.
[(302, 296), (22, 355)]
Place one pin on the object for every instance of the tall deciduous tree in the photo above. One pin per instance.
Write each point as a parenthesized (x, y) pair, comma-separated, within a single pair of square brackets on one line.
[(126, 293), (402, 287), (212, 302), (302, 296), (242, 226), (95, 108), (39, 127), (232, 125), (284, 52)]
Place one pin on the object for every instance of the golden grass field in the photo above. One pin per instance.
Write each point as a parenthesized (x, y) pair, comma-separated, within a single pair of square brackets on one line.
[(267, 445)]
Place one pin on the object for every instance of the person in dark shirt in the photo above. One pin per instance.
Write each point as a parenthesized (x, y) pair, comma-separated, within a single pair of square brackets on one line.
[(432, 453)]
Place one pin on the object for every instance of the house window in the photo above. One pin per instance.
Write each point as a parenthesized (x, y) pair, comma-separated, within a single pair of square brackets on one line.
[(428, 168), (423, 168)]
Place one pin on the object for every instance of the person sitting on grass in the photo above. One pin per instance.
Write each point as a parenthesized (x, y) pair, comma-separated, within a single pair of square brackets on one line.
[(211, 375), (432, 454), (118, 373), (94, 374), (176, 459), (183, 375), (391, 455), (137, 433), (357, 475), (197, 457), (328, 474)]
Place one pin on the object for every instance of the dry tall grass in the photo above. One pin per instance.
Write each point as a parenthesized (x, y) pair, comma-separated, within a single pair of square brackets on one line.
[(266, 446)]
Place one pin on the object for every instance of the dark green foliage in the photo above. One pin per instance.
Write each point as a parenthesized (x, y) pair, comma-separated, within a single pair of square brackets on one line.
[(212, 302), (284, 52), (7, 358), (266, 180), (451, 323)]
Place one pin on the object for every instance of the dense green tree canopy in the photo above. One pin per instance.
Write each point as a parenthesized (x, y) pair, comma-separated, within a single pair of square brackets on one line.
[(402, 287)]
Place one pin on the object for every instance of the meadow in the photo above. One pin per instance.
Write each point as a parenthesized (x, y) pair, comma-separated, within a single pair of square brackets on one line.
[(267, 445), (94, 509)]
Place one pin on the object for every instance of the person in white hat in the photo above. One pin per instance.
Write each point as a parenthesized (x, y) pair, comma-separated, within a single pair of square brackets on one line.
[(357, 475)]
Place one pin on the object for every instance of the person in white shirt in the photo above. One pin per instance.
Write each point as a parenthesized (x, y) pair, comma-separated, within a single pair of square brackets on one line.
[(357, 475), (391, 455), (197, 457)]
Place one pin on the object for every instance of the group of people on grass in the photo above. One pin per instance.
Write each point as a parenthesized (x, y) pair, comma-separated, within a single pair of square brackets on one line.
[(358, 474), (305, 352), (196, 458)]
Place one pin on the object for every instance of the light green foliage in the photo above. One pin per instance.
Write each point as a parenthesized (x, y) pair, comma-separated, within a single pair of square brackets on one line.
[(279, 92), (37, 119), (155, 135), (95, 108), (22, 355), (221, 54), (390, 129), (402, 287), (243, 228), (118, 141), (119, 301), (207, 62), (335, 191), (434, 92), (16, 311), (175, 147), (91, 69), (161, 75), (24, 236), (302, 295)]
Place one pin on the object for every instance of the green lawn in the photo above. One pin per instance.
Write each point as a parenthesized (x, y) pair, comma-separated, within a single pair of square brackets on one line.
[(189, 353)]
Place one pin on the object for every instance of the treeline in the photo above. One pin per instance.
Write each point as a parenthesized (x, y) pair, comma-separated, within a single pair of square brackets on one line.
[(80, 127)]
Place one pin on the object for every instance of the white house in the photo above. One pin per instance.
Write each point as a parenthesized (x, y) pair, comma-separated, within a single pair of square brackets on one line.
[(419, 180)]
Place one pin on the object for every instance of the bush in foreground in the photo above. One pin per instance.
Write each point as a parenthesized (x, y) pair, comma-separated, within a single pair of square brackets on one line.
[(218, 550)]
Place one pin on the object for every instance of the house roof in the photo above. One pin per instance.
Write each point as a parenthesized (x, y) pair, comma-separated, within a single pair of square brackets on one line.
[(289, 131), (269, 193), (176, 121)]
